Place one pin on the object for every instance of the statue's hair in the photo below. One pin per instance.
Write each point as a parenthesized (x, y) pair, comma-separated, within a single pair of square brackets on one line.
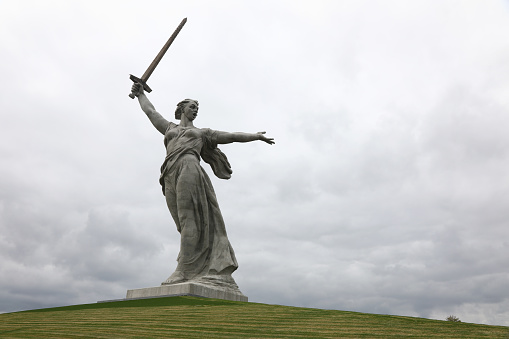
[(180, 107)]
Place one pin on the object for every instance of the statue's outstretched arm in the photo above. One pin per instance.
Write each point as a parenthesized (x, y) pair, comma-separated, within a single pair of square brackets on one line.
[(227, 138), (160, 123)]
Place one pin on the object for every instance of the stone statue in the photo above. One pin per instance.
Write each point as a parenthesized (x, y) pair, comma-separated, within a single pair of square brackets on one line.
[(206, 255)]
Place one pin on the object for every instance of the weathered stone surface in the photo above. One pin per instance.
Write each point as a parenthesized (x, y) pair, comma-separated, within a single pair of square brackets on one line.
[(206, 259), (187, 288)]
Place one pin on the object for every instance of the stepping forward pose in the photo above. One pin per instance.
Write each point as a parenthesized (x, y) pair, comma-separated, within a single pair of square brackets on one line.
[(206, 255)]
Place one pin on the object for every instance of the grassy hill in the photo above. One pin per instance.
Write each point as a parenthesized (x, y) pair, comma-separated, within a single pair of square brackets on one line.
[(189, 317)]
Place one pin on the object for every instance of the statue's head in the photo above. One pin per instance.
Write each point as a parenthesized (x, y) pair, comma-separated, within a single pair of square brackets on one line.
[(182, 105)]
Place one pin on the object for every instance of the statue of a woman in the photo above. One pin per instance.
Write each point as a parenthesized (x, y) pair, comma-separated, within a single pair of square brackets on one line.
[(205, 253)]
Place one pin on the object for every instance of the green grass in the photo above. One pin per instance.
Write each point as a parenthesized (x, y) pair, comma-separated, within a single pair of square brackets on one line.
[(190, 317)]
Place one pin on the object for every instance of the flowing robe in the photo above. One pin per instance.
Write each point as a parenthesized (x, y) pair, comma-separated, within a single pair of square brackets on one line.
[(204, 246)]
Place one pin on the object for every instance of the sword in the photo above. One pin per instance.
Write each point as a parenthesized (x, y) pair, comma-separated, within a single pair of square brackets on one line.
[(154, 63)]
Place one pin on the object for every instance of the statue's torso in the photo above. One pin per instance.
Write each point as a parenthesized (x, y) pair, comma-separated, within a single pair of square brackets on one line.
[(181, 140)]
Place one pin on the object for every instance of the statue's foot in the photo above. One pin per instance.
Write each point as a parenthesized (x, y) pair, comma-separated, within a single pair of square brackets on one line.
[(176, 277), (217, 280)]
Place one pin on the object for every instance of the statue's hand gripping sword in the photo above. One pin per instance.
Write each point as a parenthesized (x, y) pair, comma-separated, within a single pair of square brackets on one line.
[(154, 63)]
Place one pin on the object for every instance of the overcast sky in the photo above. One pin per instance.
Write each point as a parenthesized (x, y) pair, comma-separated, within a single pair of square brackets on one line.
[(387, 190)]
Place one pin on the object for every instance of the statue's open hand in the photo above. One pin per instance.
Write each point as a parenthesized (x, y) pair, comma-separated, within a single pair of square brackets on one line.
[(262, 137), (137, 89)]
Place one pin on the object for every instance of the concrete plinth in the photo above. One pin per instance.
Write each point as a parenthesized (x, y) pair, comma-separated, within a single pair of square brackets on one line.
[(186, 288)]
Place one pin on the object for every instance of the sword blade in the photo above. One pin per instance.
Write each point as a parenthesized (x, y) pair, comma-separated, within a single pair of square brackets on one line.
[(161, 53)]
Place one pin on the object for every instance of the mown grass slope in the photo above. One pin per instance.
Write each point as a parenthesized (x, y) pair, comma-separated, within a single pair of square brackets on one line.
[(189, 317)]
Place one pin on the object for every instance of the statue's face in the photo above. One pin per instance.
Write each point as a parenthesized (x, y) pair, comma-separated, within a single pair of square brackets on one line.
[(191, 110)]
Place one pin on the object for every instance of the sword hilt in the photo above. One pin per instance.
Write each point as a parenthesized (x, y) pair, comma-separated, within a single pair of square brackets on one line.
[(138, 80)]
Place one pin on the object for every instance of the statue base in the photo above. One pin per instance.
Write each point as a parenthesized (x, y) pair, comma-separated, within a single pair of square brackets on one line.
[(189, 288)]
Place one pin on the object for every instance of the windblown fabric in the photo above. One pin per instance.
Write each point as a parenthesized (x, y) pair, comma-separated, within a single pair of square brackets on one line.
[(204, 247)]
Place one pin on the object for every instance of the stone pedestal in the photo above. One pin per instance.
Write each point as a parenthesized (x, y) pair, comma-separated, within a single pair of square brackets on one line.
[(191, 288)]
